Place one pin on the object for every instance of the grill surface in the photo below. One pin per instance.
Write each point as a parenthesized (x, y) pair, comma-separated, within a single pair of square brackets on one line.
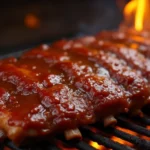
[(133, 130), (99, 134)]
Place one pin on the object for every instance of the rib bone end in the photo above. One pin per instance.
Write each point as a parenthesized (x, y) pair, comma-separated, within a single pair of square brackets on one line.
[(73, 134), (110, 121)]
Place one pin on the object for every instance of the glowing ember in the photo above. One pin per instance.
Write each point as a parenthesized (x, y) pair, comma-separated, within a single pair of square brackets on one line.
[(121, 141), (116, 139), (97, 146), (145, 137), (148, 127), (31, 21), (136, 14), (127, 131)]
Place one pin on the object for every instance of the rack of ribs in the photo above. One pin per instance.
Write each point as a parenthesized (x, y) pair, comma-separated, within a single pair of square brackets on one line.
[(71, 83)]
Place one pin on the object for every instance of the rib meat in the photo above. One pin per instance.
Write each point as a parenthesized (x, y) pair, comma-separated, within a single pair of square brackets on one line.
[(82, 74), (138, 42), (58, 88), (134, 85), (46, 92), (38, 110), (134, 57)]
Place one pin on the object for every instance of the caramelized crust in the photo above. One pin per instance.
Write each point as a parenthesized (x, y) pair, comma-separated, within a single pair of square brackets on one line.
[(135, 87), (86, 76), (135, 50), (58, 88), (38, 110), (50, 91), (136, 41)]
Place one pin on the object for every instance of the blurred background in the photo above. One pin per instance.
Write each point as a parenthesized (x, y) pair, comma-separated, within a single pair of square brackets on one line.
[(26, 23)]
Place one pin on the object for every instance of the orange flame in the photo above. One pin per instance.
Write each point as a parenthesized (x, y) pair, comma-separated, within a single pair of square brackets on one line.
[(139, 16), (97, 146), (136, 14), (121, 141), (145, 137)]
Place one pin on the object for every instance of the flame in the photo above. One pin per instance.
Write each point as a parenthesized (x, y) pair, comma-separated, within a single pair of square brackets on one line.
[(139, 16), (129, 8), (97, 146), (136, 14)]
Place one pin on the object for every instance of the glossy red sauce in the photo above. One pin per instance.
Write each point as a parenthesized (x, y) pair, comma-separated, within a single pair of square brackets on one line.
[(69, 84), (136, 89), (73, 83), (134, 49), (51, 90)]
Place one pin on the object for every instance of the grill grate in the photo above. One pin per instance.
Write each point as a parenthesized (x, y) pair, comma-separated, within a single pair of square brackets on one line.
[(105, 141), (89, 133), (132, 126)]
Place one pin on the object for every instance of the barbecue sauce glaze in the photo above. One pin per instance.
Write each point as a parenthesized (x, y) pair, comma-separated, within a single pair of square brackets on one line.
[(50, 89)]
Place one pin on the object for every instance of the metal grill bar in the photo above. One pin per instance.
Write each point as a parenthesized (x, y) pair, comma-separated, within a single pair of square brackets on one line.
[(42, 145), (104, 140), (2, 146), (46, 145), (51, 147), (83, 146), (11, 145), (86, 132), (144, 120), (78, 144), (132, 126), (141, 143)]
